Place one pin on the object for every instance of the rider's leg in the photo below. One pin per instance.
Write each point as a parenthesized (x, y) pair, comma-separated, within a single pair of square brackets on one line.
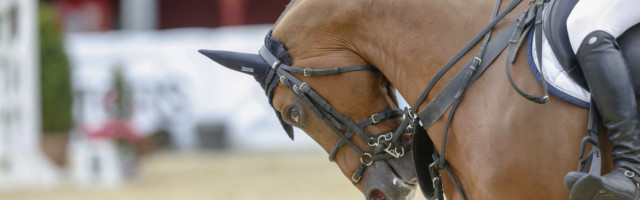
[(593, 27), (611, 16), (632, 57), (635, 78), (606, 73)]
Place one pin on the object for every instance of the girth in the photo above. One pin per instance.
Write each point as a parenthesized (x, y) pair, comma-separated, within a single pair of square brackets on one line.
[(386, 146)]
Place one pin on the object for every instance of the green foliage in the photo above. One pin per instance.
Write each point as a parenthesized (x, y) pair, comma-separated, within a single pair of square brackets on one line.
[(55, 75)]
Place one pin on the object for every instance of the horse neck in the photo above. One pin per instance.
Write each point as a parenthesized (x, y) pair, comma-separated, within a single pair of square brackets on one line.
[(409, 43)]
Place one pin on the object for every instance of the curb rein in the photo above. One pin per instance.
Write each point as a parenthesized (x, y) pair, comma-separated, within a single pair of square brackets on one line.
[(450, 96)]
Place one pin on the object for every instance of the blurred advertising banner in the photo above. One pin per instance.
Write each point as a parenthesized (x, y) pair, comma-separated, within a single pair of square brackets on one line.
[(22, 163)]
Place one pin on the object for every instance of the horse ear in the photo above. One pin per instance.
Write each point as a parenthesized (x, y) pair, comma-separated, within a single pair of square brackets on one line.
[(252, 64)]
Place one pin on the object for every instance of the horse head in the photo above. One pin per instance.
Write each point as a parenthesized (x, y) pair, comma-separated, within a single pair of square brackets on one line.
[(318, 82)]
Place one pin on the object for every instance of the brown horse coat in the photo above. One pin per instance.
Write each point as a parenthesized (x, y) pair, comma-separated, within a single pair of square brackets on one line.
[(500, 145)]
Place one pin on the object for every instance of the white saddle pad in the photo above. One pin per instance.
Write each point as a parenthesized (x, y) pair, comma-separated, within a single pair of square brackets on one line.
[(560, 84)]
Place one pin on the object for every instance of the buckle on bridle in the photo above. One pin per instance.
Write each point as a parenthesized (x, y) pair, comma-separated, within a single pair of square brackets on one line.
[(373, 119), (297, 88), (353, 178), (304, 71), (478, 59)]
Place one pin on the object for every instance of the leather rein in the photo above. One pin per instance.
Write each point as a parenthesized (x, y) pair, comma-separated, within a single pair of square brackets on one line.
[(450, 96), (385, 146)]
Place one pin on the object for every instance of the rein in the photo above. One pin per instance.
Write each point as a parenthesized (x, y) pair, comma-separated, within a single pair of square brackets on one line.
[(450, 95), (386, 146)]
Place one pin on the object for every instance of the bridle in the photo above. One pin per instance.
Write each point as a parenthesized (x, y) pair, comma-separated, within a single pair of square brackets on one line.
[(386, 146)]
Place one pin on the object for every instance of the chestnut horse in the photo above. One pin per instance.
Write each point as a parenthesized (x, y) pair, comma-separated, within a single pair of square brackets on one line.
[(499, 145)]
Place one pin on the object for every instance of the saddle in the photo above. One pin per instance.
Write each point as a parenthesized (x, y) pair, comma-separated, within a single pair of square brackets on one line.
[(555, 29)]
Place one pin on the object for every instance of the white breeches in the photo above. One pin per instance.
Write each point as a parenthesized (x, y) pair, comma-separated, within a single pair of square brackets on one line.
[(611, 16)]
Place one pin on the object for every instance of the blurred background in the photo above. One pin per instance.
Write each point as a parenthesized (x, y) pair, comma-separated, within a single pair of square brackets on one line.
[(109, 99)]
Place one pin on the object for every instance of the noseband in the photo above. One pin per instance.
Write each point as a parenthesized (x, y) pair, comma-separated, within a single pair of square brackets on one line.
[(386, 146)]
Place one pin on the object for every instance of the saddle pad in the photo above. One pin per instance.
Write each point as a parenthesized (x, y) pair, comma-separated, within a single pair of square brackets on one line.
[(560, 84)]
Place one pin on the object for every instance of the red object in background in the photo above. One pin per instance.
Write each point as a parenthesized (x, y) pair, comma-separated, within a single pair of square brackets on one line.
[(115, 129), (187, 13), (85, 15), (215, 13), (121, 130), (116, 126), (232, 12), (100, 15), (264, 11)]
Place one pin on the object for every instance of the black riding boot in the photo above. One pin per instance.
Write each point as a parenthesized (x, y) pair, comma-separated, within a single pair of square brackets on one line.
[(627, 42), (608, 78)]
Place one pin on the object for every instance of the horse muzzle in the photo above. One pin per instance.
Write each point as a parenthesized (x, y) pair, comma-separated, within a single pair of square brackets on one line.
[(393, 179)]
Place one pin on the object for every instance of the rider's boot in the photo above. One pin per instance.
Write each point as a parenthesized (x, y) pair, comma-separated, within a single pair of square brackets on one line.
[(635, 77), (608, 78), (632, 58), (635, 74)]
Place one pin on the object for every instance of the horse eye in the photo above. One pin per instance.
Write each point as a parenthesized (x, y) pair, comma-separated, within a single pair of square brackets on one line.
[(294, 115)]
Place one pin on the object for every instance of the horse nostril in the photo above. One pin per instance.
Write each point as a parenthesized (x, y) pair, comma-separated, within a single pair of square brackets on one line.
[(377, 195)]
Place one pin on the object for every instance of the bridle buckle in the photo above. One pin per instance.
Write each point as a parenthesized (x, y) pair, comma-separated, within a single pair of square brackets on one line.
[(297, 89), (373, 119), (283, 79), (354, 179), (304, 71)]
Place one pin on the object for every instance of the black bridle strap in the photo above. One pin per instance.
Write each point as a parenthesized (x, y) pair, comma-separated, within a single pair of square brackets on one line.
[(374, 119), (381, 116), (348, 123), (334, 150), (320, 72), (303, 90), (333, 118), (377, 157), (329, 120), (313, 99)]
